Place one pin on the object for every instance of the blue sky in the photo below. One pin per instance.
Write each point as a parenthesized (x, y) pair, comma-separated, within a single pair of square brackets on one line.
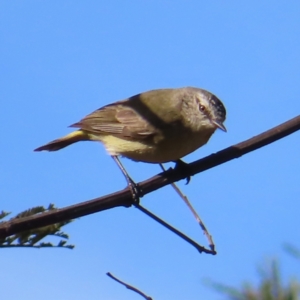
[(60, 60)]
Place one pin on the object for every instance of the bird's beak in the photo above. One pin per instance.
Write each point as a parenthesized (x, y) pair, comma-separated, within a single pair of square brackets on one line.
[(219, 125)]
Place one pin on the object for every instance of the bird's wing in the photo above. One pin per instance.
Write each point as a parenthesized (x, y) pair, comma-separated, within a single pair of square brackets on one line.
[(119, 120)]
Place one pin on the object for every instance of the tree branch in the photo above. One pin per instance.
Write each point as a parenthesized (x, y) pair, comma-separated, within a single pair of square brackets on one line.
[(124, 197), (130, 287)]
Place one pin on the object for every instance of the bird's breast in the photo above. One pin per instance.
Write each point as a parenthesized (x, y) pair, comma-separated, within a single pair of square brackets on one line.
[(159, 149)]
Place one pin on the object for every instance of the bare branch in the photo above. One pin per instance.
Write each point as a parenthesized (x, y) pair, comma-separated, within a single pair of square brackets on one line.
[(176, 231), (195, 214), (124, 197), (130, 287)]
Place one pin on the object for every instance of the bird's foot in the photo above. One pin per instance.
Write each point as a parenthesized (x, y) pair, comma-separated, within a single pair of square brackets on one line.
[(181, 166), (135, 190)]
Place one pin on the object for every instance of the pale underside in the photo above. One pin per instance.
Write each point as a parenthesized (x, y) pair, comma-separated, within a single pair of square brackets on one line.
[(171, 149)]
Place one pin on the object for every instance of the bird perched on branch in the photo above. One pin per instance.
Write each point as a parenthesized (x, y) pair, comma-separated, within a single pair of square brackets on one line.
[(155, 127)]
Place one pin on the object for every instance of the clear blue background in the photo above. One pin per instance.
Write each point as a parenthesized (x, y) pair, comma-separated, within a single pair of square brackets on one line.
[(60, 60)]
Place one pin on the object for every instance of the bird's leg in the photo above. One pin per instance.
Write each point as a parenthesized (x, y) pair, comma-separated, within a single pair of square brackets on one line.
[(136, 193), (181, 166)]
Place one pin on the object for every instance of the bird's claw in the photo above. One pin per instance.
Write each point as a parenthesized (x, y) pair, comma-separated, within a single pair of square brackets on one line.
[(135, 191), (181, 166)]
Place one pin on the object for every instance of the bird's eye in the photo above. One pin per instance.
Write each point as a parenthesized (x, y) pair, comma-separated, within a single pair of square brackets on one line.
[(202, 107)]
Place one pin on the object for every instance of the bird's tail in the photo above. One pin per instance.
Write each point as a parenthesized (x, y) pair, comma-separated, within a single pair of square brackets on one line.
[(73, 137)]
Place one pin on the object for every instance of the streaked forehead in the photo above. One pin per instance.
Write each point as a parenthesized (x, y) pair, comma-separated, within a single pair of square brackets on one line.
[(214, 102), (218, 105)]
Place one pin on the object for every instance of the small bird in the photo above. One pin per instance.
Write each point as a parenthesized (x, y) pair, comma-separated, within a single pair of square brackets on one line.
[(157, 126)]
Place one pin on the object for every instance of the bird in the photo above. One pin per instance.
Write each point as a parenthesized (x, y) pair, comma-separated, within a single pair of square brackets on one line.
[(156, 126)]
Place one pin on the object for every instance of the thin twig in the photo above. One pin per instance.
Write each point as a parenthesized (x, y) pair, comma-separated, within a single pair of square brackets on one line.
[(199, 221), (130, 287), (37, 247), (124, 197), (174, 230)]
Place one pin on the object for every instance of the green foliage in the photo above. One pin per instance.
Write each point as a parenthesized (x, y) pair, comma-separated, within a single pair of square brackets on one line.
[(292, 250), (269, 288), (3, 214), (32, 238)]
